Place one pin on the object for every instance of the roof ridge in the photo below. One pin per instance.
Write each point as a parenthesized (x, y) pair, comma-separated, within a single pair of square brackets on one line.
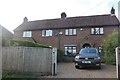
[(94, 15), (92, 20), (71, 17), (45, 19)]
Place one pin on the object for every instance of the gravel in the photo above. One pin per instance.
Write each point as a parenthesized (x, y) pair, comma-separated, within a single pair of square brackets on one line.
[(67, 70)]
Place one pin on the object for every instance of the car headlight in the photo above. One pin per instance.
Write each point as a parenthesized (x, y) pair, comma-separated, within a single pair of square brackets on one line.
[(98, 58), (76, 58)]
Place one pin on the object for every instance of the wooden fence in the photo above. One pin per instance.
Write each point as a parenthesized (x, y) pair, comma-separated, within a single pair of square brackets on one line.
[(27, 59)]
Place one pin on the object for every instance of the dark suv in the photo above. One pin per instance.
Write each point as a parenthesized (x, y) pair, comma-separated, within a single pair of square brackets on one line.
[(88, 57)]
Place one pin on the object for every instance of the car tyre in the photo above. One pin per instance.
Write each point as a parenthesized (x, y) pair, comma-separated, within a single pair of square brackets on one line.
[(99, 67), (77, 67)]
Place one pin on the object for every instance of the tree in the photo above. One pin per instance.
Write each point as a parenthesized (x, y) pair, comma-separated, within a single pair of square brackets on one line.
[(109, 45)]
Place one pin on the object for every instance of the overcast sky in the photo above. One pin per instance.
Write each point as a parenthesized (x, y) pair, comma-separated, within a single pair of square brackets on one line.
[(12, 12)]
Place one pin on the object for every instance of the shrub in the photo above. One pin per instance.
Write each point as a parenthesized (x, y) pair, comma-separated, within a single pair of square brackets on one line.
[(32, 44), (5, 42), (27, 44), (109, 45)]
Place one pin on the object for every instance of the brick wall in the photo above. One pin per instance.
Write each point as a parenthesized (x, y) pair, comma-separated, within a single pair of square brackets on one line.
[(82, 37)]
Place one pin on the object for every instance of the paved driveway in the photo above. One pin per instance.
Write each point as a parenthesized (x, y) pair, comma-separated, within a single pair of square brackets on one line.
[(67, 70)]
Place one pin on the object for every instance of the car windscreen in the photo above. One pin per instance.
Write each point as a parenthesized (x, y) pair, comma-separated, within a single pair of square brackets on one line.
[(87, 52)]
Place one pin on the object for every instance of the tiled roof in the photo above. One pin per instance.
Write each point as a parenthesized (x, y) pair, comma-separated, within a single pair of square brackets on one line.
[(70, 22), (4, 32)]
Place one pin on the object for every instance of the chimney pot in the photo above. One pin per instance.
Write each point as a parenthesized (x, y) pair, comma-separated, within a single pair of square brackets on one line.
[(112, 11), (63, 15), (25, 19)]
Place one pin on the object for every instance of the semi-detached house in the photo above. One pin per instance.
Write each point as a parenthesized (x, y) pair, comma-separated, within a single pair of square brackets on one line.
[(69, 33)]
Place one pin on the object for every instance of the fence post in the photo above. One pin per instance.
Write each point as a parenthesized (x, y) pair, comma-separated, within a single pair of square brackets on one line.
[(54, 61), (118, 62), (0, 62)]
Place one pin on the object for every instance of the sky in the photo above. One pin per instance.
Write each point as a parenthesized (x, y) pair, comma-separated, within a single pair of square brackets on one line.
[(12, 12)]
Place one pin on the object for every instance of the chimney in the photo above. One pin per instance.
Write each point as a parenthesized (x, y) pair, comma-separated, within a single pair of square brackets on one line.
[(63, 15), (25, 19), (112, 11)]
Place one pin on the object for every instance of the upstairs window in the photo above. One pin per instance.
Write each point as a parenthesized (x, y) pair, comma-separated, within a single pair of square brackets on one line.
[(70, 32), (97, 31), (27, 33), (46, 32)]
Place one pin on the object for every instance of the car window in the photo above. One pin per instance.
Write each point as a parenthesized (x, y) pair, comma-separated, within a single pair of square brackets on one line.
[(88, 52)]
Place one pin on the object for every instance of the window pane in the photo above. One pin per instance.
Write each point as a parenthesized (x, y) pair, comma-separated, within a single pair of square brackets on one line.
[(74, 31), (50, 32), (70, 49), (97, 31), (92, 30), (66, 32), (101, 31), (30, 33), (66, 50), (27, 33), (43, 32), (74, 49), (23, 34), (47, 32), (70, 31)]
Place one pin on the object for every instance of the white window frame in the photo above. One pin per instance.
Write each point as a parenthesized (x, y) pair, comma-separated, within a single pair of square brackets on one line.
[(71, 49), (101, 31), (47, 33), (74, 31), (27, 33), (66, 32), (97, 31), (70, 32)]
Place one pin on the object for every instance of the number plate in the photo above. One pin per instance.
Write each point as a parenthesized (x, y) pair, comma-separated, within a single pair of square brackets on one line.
[(86, 61)]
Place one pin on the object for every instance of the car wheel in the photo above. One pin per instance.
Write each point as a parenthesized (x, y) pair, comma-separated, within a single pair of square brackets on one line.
[(99, 67), (77, 67)]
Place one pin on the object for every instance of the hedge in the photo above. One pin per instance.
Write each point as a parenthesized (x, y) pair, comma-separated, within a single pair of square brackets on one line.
[(109, 45), (27, 44)]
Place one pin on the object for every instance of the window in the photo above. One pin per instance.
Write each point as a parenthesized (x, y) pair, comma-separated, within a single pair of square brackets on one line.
[(46, 32), (27, 34), (97, 31), (70, 50), (70, 32)]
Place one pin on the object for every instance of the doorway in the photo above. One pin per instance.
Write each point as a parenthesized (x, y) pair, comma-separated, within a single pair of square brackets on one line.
[(86, 45)]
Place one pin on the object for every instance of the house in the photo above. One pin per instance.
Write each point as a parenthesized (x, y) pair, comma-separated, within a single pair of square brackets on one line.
[(5, 35), (69, 33)]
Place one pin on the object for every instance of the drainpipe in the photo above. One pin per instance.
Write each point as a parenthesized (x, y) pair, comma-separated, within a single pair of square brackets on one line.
[(119, 23), (59, 38), (119, 35), (34, 40)]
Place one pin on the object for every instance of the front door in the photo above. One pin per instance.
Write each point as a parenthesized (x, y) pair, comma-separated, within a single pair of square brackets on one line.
[(86, 45)]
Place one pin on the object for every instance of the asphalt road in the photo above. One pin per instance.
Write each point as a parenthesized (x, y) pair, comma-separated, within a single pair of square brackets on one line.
[(67, 70)]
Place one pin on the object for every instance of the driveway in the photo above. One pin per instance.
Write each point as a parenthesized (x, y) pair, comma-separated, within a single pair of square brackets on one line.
[(67, 70)]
